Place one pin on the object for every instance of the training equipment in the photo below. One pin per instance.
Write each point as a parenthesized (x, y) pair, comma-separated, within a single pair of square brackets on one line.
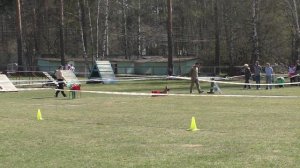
[(71, 80), (74, 88), (70, 77), (102, 73), (193, 126), (6, 85), (51, 81), (39, 115)]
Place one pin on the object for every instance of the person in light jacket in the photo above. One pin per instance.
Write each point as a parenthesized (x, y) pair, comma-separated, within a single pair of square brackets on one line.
[(269, 75), (60, 81)]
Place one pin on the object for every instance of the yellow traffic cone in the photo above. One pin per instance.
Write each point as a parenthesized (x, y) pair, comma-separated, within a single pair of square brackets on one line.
[(193, 125), (39, 115)]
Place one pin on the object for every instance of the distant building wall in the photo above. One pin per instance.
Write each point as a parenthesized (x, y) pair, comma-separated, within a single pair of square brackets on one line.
[(48, 66), (125, 67)]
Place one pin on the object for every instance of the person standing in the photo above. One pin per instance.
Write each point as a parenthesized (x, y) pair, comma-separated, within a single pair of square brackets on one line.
[(247, 76), (60, 81), (72, 68), (67, 67), (292, 73), (297, 71), (194, 78), (269, 75), (257, 70)]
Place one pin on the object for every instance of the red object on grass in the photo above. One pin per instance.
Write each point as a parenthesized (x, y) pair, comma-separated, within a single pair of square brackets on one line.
[(156, 91), (75, 87)]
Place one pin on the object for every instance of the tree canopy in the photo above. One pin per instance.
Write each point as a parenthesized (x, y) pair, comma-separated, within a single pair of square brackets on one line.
[(230, 32)]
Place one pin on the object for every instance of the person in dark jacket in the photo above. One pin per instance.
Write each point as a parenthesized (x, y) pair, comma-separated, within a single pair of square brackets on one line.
[(297, 71), (257, 70), (247, 76)]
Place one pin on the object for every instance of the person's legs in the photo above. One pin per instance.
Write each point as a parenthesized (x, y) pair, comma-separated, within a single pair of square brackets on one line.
[(247, 81), (61, 88), (245, 86), (198, 86), (257, 79), (58, 87), (192, 85), (268, 81), (297, 78), (56, 93), (292, 80), (63, 93)]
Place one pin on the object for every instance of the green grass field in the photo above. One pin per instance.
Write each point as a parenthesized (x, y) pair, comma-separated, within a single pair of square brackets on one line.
[(99, 130)]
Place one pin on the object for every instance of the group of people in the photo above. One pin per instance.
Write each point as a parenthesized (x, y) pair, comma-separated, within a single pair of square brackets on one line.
[(247, 71), (257, 71), (257, 68), (293, 74)]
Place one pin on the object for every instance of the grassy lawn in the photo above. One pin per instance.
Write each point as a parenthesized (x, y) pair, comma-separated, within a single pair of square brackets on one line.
[(99, 130)]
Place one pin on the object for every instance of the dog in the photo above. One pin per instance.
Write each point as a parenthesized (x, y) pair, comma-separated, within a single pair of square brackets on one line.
[(160, 92)]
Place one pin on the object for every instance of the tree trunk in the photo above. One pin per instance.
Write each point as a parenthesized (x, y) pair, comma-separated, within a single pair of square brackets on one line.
[(170, 38), (125, 5), (91, 31), (229, 33), (46, 22), (36, 32), (217, 36), (61, 28), (2, 29), (105, 51), (297, 39), (97, 27), (292, 6), (255, 52), (83, 32), (19, 34), (139, 31)]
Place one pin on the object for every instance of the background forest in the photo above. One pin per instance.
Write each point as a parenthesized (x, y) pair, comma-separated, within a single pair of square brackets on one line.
[(218, 32)]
